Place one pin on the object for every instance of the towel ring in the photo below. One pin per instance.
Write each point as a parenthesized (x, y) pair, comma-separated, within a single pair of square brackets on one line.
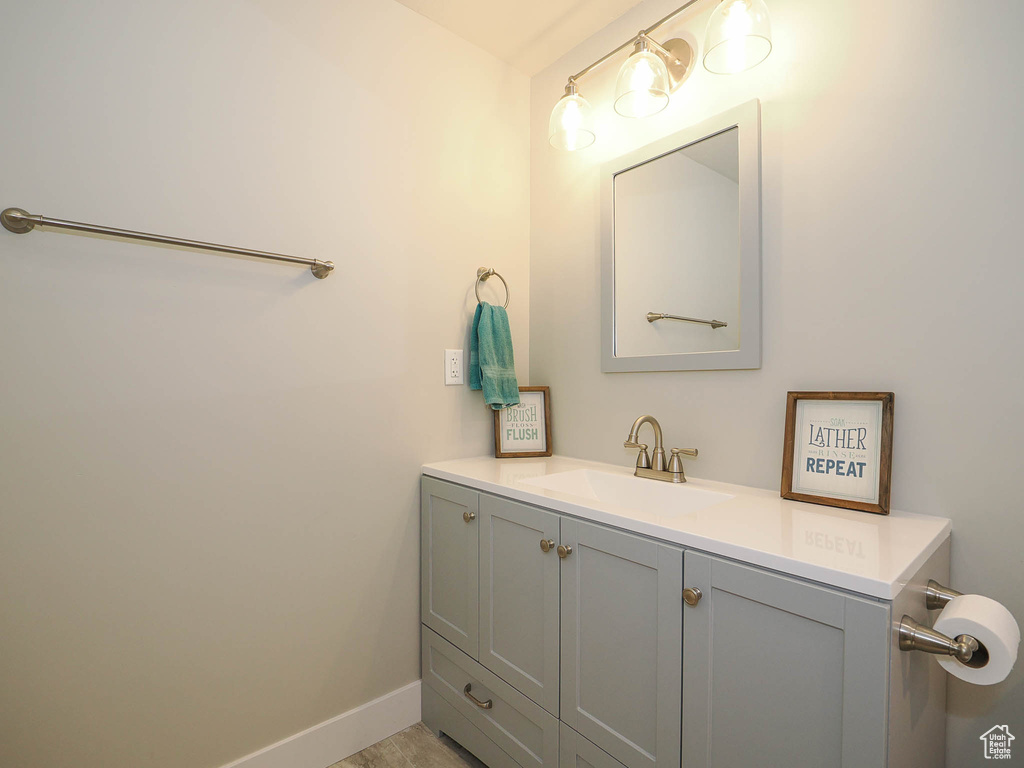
[(481, 275)]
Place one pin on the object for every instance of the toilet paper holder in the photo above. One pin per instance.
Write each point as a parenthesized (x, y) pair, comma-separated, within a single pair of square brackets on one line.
[(915, 636), (936, 596)]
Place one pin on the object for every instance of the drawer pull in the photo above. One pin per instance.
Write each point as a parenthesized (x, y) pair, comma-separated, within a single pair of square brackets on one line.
[(564, 550), (469, 516), (546, 545), (482, 704)]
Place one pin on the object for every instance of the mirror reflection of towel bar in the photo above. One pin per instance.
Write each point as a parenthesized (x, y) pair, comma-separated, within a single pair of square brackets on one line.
[(652, 316)]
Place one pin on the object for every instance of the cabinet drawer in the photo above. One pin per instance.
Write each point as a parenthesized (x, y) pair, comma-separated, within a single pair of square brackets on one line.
[(521, 728), (440, 717)]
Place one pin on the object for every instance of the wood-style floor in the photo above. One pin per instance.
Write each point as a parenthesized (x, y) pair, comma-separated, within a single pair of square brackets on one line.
[(414, 747)]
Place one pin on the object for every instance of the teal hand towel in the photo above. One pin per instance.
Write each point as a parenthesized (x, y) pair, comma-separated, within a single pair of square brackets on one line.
[(492, 367)]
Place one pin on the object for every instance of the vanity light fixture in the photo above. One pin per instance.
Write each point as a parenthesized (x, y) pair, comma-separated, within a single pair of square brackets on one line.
[(738, 38), (642, 87), (571, 124)]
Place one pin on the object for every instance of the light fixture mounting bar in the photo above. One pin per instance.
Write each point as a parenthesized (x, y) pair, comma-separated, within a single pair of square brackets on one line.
[(658, 47), (632, 40)]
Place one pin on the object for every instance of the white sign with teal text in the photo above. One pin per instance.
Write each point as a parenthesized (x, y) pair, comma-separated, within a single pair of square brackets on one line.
[(522, 426), (837, 449)]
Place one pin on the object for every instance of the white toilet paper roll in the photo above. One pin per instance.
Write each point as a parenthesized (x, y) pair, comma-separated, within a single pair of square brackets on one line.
[(992, 625)]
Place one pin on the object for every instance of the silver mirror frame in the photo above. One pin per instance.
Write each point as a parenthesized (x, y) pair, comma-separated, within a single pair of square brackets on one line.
[(747, 118)]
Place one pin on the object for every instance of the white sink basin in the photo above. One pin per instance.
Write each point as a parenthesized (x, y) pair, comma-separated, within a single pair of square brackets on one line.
[(641, 494)]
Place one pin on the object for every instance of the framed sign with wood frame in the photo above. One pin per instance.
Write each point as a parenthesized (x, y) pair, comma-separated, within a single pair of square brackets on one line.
[(524, 430), (838, 449)]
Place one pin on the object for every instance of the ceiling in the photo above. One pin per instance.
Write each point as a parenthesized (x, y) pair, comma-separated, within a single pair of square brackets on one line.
[(528, 34)]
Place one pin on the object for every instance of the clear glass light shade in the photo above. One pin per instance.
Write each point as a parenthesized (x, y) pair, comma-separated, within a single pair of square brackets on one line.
[(642, 87), (739, 37), (571, 126)]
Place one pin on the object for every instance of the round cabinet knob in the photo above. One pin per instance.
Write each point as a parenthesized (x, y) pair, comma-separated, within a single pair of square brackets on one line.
[(692, 595), (546, 545), (469, 516), (564, 551)]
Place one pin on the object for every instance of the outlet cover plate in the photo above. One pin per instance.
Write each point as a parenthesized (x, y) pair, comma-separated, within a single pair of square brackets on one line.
[(453, 371)]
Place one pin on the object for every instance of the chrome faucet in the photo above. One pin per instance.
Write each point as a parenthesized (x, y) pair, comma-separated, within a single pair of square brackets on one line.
[(655, 468)]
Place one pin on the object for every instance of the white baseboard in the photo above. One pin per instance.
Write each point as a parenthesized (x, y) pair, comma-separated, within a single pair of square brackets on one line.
[(341, 736)]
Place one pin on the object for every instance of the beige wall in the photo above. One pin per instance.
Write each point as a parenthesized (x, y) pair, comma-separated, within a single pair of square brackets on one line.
[(208, 465), (892, 169)]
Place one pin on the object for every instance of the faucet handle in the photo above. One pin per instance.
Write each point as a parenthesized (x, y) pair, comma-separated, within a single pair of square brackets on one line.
[(643, 460), (675, 464)]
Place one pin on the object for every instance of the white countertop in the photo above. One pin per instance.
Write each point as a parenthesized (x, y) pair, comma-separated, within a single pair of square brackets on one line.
[(862, 552)]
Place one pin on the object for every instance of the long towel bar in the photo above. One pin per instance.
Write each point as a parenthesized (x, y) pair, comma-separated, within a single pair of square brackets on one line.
[(18, 221)]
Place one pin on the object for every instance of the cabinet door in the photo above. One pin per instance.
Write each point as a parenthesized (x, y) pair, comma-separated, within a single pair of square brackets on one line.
[(576, 752), (449, 582), (622, 643), (781, 672), (519, 597)]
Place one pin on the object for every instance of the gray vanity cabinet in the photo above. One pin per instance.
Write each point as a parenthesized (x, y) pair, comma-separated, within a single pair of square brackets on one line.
[(549, 640), (621, 641), (519, 597), (781, 672), (449, 585)]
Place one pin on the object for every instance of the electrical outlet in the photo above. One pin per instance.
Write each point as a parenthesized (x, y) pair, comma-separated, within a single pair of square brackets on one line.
[(453, 367)]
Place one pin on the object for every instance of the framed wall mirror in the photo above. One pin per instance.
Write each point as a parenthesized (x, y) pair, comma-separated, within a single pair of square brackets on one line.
[(681, 250)]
